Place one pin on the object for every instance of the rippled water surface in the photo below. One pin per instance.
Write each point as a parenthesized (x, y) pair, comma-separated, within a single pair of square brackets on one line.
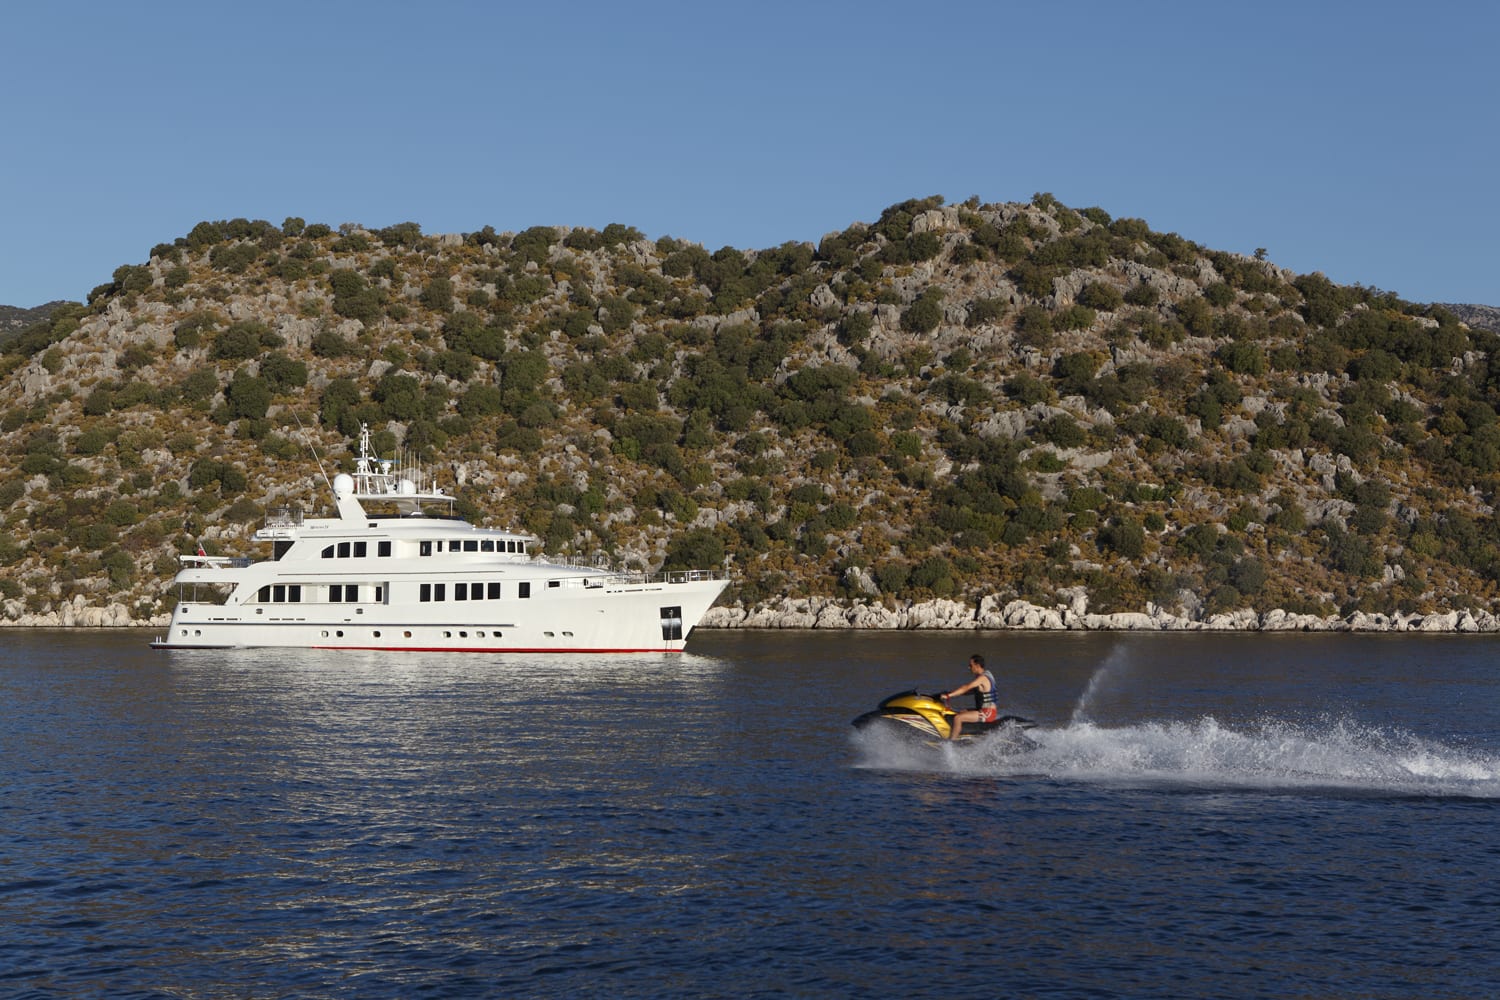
[(1203, 816)]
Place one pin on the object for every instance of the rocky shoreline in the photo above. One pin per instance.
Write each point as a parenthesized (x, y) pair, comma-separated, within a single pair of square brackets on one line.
[(937, 615), (990, 613)]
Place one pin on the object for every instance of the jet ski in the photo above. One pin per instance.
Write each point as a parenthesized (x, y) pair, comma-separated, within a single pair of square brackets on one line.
[(924, 718)]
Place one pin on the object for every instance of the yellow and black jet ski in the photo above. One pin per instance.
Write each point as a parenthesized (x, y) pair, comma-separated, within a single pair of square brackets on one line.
[(925, 718)]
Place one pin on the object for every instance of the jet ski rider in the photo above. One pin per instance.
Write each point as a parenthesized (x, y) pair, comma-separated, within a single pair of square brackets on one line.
[(983, 685)]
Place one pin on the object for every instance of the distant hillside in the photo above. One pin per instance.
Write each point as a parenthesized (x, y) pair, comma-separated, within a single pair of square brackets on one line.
[(957, 401), (1481, 317), (14, 319)]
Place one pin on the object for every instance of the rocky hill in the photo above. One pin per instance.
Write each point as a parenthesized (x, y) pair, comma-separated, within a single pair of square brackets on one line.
[(990, 405), (1481, 317), (15, 319)]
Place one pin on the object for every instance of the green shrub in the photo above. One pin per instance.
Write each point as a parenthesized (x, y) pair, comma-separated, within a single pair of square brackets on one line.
[(925, 314)]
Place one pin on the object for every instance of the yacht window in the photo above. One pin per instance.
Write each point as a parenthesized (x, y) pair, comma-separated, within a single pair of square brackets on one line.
[(379, 594), (523, 589), (296, 592), (476, 591), (494, 593), (383, 548), (424, 548), (554, 583), (426, 592), (510, 545), (278, 593), (440, 545), (335, 594), (360, 550), (264, 596), (471, 546), (343, 550), (488, 545), (351, 593), (460, 591), (328, 552), (439, 591)]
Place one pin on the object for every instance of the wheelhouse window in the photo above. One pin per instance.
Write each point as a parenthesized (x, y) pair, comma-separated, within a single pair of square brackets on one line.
[(472, 545), (424, 548), (343, 550), (488, 545), (361, 549), (460, 591), (383, 548), (280, 593), (523, 589), (494, 591)]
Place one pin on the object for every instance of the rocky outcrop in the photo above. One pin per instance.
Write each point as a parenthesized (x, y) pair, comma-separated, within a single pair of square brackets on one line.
[(75, 613)]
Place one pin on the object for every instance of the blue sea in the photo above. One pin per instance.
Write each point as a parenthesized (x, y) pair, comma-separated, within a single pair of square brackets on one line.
[(1203, 816)]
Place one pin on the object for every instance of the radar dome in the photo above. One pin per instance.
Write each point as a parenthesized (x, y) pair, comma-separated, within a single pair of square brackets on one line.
[(343, 485)]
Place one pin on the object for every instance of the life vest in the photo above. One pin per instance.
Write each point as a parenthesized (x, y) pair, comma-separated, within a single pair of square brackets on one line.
[(986, 699)]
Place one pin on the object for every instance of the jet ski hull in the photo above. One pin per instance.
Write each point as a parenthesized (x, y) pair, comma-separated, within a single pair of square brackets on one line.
[(924, 719)]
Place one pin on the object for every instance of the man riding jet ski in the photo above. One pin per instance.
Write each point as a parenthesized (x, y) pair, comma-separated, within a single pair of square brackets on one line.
[(928, 717)]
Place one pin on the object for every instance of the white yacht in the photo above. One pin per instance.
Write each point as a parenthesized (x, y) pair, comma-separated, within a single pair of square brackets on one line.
[(409, 580)]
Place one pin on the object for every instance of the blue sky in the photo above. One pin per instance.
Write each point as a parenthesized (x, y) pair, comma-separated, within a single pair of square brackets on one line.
[(1357, 139)]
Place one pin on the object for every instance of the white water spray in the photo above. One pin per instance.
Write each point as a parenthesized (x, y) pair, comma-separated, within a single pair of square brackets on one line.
[(1327, 755), (1115, 668)]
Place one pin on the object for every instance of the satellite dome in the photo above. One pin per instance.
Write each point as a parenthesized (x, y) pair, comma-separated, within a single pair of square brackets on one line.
[(343, 485)]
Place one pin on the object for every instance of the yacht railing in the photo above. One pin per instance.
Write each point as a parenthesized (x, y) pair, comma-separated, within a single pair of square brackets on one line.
[(284, 517), (214, 562)]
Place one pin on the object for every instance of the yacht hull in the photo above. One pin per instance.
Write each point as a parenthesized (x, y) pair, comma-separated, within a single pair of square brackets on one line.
[(654, 618)]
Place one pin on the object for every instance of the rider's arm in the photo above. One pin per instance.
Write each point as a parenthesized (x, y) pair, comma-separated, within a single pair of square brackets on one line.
[(960, 690)]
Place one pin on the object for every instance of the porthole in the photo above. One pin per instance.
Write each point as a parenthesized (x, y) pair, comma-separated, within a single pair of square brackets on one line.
[(375, 634), (406, 635)]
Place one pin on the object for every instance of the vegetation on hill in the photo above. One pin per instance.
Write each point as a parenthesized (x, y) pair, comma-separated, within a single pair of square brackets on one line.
[(14, 319), (952, 401)]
